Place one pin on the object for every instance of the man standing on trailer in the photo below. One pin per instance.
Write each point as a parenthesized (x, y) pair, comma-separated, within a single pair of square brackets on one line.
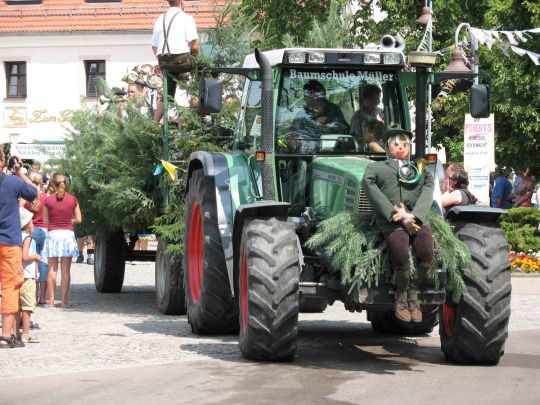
[(175, 43)]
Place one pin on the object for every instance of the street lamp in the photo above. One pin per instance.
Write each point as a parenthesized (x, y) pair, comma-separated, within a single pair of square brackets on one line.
[(427, 18), (456, 64)]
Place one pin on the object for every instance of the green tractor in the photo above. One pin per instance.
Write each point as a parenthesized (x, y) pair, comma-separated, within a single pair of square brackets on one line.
[(249, 212)]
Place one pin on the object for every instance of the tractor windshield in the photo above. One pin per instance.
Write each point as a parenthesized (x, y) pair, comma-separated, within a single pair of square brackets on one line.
[(335, 111)]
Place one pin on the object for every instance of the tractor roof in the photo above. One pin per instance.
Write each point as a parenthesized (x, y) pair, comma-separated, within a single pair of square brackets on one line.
[(339, 56)]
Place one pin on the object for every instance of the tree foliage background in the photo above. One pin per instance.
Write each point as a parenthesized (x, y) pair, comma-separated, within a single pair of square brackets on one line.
[(112, 160), (514, 80)]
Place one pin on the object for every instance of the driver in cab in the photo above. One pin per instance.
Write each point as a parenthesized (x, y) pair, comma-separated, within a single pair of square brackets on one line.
[(318, 117)]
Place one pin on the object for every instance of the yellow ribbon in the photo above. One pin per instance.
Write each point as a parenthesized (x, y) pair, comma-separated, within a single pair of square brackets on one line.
[(171, 169)]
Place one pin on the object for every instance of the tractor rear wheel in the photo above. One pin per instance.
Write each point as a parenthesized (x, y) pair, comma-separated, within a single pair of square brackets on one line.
[(475, 330), (268, 280), (209, 302), (169, 279), (110, 262), (386, 322)]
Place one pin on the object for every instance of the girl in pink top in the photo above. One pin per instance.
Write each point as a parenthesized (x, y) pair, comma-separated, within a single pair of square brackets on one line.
[(61, 213)]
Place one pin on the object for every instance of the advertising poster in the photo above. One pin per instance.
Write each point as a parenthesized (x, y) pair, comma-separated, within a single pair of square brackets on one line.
[(479, 154)]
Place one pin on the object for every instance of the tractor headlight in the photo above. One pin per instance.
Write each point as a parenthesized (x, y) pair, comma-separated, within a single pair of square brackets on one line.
[(391, 59), (372, 58), (316, 57), (297, 57)]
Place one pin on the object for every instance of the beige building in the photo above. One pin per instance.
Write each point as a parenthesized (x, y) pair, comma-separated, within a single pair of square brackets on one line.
[(52, 52)]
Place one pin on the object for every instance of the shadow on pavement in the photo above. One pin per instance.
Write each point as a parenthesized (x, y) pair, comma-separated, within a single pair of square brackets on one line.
[(338, 345)]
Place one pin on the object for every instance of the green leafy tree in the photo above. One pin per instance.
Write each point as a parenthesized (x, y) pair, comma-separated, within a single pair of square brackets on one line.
[(275, 18)]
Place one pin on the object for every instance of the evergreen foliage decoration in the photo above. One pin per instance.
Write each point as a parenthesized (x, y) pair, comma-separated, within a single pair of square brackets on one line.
[(357, 248)]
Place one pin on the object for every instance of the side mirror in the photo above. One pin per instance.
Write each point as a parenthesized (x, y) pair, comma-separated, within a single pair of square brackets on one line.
[(210, 95), (480, 101)]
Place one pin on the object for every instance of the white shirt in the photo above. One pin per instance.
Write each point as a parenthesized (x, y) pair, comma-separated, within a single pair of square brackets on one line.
[(182, 32), (30, 265)]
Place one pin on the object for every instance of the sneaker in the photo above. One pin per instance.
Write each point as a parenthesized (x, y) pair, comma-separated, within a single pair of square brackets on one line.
[(416, 312), (90, 260), (401, 310), (80, 259)]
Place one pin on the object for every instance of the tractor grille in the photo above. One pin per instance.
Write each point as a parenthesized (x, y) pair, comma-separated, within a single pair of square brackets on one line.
[(363, 203)]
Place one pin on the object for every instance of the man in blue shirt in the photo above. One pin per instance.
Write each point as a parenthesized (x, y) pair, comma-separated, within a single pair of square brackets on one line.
[(11, 271), (501, 190)]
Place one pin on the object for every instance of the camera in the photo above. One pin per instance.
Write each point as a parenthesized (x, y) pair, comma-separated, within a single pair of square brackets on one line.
[(11, 163)]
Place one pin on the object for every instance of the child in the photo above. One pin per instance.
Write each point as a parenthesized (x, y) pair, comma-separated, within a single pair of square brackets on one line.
[(373, 131), (401, 204), (27, 298)]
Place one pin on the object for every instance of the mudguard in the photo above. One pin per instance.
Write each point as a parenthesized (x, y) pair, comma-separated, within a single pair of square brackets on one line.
[(215, 165), (474, 213)]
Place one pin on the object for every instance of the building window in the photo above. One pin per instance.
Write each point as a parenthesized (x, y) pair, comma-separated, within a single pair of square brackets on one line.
[(94, 69), (15, 79)]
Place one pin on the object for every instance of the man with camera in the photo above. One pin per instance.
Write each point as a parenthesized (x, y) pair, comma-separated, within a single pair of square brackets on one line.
[(11, 271)]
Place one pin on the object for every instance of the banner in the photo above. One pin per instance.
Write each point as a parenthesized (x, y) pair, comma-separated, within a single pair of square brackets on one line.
[(38, 151), (479, 154)]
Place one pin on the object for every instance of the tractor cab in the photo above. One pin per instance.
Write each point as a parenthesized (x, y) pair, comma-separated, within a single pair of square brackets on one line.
[(330, 109)]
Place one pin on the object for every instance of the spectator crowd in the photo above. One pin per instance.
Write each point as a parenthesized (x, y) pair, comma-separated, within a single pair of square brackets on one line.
[(37, 241)]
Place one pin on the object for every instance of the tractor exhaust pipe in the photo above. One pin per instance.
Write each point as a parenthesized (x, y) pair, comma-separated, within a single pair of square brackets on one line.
[(267, 126)]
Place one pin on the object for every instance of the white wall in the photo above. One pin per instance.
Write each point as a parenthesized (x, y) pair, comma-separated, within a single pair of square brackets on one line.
[(56, 77)]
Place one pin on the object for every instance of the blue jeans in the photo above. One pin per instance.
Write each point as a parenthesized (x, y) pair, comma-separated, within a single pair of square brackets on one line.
[(39, 235)]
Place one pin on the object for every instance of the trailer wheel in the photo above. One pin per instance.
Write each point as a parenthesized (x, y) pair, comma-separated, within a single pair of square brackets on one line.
[(386, 322), (110, 262), (209, 301), (169, 278), (268, 280), (475, 330)]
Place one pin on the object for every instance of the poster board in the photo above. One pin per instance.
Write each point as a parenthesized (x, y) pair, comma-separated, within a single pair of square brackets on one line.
[(479, 154)]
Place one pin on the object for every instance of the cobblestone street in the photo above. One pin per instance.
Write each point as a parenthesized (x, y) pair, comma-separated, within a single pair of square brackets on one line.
[(108, 331)]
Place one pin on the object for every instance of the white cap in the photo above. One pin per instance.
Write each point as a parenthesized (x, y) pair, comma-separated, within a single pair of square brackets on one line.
[(26, 217)]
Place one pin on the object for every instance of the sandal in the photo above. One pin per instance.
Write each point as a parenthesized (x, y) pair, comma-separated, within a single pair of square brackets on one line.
[(67, 305), (5, 343)]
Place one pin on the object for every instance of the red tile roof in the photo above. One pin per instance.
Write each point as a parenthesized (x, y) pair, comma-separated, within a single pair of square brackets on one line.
[(79, 16)]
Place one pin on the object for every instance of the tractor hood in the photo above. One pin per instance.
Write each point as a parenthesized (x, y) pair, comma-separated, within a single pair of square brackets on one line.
[(335, 185)]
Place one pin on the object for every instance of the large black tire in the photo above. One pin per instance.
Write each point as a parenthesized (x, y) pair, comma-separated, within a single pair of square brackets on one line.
[(268, 290), (209, 302), (475, 330), (386, 322), (312, 305), (110, 262), (169, 277)]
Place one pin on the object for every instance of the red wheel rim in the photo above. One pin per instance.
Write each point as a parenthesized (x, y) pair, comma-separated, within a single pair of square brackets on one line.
[(244, 293), (449, 317), (195, 252)]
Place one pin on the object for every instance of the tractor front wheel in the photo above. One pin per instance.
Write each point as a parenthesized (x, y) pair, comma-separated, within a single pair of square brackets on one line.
[(474, 331), (268, 280)]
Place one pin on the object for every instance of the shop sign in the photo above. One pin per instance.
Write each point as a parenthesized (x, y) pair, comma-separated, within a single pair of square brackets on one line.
[(38, 151)]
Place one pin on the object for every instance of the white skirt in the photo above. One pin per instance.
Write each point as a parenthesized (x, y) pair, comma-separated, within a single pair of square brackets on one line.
[(60, 243)]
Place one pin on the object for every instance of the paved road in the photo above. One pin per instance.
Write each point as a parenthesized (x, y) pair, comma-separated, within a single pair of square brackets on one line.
[(119, 348)]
